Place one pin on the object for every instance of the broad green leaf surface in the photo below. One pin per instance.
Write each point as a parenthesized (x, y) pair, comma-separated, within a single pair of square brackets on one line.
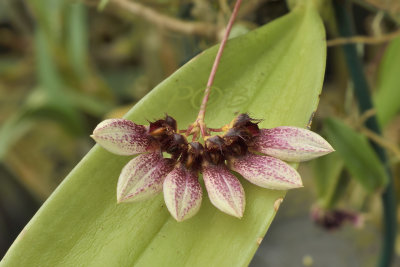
[(388, 94), (274, 73), (359, 157)]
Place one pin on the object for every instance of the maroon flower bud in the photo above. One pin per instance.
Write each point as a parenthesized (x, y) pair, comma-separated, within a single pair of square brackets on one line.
[(214, 151), (175, 145), (194, 156), (171, 122), (163, 127), (247, 124)]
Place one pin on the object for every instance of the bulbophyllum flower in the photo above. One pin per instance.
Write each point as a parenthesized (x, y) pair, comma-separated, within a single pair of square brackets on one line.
[(144, 175), (258, 155), (281, 143)]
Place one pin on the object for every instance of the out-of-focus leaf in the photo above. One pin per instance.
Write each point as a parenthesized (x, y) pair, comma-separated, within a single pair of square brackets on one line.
[(102, 4), (52, 86), (266, 73), (77, 38), (359, 157), (90, 104), (11, 130), (387, 98), (327, 172)]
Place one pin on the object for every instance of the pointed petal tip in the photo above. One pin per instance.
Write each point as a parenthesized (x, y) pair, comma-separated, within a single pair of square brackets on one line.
[(299, 184), (178, 218), (294, 184), (239, 215), (330, 149), (122, 199)]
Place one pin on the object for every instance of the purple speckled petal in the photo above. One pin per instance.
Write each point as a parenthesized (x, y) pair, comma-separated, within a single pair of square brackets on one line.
[(267, 172), (143, 177), (182, 193), (122, 137), (291, 144), (224, 190)]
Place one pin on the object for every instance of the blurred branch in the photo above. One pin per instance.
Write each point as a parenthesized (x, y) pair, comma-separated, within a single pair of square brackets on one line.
[(392, 147), (164, 21), (364, 39), (366, 115), (389, 146), (390, 8)]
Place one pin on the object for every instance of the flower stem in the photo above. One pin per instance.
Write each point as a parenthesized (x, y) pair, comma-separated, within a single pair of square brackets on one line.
[(361, 90), (202, 112)]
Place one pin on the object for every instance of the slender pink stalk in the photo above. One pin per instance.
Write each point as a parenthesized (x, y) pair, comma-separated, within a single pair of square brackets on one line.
[(202, 112)]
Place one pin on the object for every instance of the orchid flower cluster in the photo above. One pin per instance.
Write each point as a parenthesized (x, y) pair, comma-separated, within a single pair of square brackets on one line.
[(168, 162)]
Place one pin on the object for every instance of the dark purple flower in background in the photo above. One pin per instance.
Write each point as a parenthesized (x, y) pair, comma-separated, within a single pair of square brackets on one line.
[(334, 219)]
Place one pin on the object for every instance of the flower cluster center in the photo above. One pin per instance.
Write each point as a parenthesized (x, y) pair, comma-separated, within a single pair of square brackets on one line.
[(236, 140)]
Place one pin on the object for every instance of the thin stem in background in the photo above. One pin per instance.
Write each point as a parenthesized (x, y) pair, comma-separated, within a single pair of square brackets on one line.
[(361, 90), (164, 21), (371, 40), (202, 112)]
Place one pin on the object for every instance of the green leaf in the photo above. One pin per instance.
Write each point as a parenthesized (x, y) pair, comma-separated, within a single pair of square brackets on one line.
[(11, 130), (327, 175), (359, 157), (77, 40), (52, 86), (274, 73), (388, 94), (102, 4)]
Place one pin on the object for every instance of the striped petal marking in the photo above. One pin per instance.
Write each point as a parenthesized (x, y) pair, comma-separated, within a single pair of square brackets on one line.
[(291, 144), (182, 193), (122, 137), (143, 177), (267, 172), (224, 189)]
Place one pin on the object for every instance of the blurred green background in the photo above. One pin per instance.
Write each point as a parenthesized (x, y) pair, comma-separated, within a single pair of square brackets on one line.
[(66, 65)]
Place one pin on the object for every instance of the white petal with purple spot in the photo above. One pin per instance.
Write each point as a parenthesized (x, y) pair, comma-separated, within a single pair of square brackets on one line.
[(267, 172), (224, 190), (182, 193), (122, 137), (291, 144), (142, 177)]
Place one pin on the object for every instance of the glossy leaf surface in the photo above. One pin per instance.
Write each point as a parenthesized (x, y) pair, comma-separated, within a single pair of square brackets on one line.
[(274, 73)]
